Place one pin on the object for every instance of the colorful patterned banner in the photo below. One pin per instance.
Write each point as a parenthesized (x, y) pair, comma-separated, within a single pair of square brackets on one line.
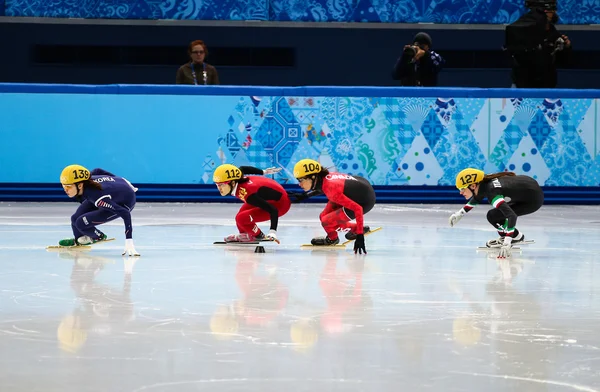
[(388, 11), (388, 140)]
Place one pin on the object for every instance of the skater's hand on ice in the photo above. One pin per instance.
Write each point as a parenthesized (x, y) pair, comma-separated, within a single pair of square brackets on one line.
[(272, 236), (506, 247), (130, 248), (454, 218), (271, 170), (504, 251), (359, 244)]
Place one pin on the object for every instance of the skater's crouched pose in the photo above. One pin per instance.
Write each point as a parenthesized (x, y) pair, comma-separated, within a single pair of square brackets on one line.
[(511, 195), (104, 197), (264, 199), (349, 197)]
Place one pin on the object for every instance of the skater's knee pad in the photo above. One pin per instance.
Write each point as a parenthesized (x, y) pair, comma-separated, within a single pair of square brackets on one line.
[(495, 216)]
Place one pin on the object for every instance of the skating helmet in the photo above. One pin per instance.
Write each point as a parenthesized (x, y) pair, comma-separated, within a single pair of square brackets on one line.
[(468, 177), (73, 174), (226, 173), (306, 167)]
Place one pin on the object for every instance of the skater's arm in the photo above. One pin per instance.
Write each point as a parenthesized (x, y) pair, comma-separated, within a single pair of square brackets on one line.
[(105, 202), (501, 204), (251, 170), (470, 205), (101, 172), (261, 203), (296, 197)]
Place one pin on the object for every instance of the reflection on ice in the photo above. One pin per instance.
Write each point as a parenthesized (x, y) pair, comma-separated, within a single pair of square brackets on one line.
[(423, 309)]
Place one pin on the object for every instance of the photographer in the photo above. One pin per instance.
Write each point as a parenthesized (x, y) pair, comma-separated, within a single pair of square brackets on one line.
[(536, 47), (418, 65)]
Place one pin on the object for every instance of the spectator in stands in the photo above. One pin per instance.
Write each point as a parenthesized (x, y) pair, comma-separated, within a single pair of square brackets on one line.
[(536, 47), (197, 72), (418, 65)]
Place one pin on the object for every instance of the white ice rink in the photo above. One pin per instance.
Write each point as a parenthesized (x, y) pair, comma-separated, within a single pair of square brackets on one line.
[(423, 311)]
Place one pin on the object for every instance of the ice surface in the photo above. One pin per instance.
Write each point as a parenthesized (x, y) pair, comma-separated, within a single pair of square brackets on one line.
[(423, 311)]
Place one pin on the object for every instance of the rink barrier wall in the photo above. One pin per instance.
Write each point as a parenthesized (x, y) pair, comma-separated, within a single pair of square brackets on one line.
[(409, 142), (209, 194), (296, 91)]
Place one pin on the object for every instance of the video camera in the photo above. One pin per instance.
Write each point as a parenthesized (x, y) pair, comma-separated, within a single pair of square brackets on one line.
[(528, 32)]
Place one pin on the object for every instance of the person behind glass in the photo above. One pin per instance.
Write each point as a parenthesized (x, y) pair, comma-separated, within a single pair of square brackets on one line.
[(197, 72), (536, 47), (418, 65)]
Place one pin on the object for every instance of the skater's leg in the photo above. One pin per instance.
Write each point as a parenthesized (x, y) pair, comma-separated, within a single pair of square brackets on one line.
[(84, 208), (333, 221), (247, 218), (368, 206), (330, 207), (497, 219), (86, 224)]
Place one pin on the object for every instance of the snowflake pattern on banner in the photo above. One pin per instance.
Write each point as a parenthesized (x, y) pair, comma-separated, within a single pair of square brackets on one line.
[(405, 141), (374, 11)]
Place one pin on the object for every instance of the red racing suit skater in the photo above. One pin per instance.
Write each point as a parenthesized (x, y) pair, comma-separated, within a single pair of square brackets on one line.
[(349, 197), (264, 199)]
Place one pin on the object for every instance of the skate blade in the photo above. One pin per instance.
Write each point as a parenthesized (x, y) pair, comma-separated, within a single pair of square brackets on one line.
[(338, 246), (324, 247), (366, 234), (235, 243), (486, 249), (77, 247)]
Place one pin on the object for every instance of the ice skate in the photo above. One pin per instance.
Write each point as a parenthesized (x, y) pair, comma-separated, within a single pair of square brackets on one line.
[(498, 242), (324, 241), (83, 240), (87, 240), (241, 237), (350, 236)]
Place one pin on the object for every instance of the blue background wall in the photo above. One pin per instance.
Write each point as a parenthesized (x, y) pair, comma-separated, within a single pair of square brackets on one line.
[(389, 11), (178, 135)]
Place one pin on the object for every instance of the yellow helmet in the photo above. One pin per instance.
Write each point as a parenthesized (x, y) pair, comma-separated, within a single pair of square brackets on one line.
[(469, 176), (306, 167), (226, 173), (73, 174)]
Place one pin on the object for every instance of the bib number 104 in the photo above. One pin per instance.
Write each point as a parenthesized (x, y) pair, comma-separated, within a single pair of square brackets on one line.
[(311, 167)]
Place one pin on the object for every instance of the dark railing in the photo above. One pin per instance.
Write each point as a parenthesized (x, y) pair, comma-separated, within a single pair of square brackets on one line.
[(48, 192)]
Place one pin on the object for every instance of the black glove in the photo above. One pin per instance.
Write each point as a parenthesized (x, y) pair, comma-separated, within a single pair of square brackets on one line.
[(297, 197), (359, 244)]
